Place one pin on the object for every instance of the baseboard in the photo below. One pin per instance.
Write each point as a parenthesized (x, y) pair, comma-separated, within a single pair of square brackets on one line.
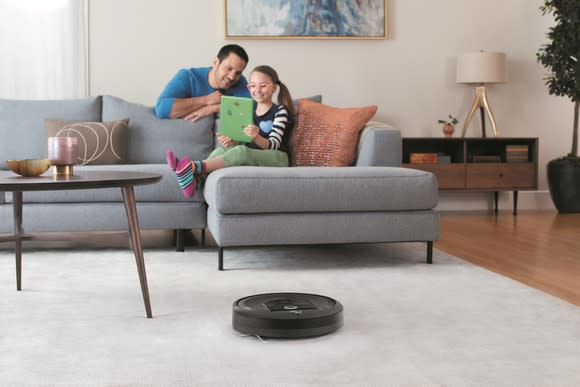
[(469, 201)]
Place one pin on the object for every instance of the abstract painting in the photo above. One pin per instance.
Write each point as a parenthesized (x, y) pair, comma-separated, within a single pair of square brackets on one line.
[(306, 19)]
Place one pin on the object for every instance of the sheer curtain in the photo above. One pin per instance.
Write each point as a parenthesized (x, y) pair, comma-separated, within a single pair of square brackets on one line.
[(43, 49)]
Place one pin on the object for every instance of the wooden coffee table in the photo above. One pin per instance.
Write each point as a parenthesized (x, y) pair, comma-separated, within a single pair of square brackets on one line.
[(9, 182)]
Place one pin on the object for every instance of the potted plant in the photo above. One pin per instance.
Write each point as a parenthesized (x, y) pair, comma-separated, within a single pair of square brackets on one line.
[(560, 56), (448, 125)]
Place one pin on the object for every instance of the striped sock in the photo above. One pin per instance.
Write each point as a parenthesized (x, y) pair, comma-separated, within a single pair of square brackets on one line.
[(199, 167), (185, 177)]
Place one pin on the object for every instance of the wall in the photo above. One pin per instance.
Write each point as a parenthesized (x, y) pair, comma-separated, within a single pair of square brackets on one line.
[(137, 46)]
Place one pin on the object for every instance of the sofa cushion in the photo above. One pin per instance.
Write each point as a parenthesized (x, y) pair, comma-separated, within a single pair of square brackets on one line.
[(149, 137), (326, 136), (22, 123), (99, 143), (240, 190)]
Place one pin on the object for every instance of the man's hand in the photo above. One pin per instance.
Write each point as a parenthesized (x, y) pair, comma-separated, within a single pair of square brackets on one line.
[(214, 98), (225, 141), (191, 108), (201, 113)]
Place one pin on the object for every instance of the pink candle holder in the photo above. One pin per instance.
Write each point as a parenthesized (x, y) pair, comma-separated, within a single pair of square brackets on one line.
[(63, 154)]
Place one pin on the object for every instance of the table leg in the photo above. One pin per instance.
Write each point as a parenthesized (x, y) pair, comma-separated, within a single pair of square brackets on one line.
[(135, 236), (17, 208)]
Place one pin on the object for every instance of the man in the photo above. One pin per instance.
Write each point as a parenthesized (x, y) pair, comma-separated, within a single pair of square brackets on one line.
[(195, 93)]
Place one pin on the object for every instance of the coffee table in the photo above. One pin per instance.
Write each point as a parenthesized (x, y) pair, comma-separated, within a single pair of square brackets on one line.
[(9, 182)]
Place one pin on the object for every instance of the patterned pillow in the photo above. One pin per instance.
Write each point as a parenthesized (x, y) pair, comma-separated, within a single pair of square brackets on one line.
[(99, 143), (326, 136)]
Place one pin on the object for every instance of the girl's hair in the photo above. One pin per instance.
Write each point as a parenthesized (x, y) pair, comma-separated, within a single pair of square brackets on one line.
[(284, 97)]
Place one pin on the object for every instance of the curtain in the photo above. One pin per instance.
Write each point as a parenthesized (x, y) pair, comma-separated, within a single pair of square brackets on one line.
[(43, 49)]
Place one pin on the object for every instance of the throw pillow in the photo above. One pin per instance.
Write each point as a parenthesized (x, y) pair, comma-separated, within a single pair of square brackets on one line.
[(99, 143), (326, 136)]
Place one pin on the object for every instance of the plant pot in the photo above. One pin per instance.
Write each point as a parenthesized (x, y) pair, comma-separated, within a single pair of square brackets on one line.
[(564, 184), (448, 130)]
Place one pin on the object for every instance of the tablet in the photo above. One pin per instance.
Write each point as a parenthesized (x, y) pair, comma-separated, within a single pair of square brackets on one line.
[(235, 114)]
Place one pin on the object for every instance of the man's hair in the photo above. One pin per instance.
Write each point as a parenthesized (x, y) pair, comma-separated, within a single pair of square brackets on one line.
[(226, 50)]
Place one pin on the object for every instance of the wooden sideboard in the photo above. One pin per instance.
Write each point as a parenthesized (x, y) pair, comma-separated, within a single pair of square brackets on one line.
[(491, 164)]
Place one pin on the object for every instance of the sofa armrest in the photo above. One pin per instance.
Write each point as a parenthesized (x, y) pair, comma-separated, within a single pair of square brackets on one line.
[(379, 145)]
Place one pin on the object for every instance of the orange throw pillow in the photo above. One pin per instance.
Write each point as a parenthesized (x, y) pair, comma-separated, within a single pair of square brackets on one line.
[(326, 136)]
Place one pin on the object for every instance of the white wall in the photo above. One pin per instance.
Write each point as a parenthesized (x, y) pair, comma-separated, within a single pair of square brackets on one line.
[(137, 46)]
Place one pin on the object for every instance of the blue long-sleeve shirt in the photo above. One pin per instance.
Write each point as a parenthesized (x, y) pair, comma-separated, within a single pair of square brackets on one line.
[(189, 83)]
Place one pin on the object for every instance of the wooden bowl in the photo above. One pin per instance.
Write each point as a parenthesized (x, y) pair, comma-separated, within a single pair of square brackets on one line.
[(29, 167)]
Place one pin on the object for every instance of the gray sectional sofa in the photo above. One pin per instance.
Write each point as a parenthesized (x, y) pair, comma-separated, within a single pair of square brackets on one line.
[(373, 201)]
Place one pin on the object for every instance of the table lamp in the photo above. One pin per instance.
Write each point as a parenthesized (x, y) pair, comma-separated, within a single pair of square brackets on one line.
[(481, 68)]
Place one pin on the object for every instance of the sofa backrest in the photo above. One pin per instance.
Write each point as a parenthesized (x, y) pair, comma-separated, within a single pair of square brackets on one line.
[(149, 137), (22, 134)]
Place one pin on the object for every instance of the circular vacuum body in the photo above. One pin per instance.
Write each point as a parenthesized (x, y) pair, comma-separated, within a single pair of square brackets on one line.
[(287, 315)]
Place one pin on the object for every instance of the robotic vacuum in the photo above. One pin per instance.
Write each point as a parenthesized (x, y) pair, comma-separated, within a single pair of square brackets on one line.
[(287, 315)]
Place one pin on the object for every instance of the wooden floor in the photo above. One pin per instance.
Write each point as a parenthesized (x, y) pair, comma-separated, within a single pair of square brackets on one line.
[(539, 249)]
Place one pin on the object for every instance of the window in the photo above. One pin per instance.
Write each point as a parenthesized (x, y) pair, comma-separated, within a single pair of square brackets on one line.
[(44, 50)]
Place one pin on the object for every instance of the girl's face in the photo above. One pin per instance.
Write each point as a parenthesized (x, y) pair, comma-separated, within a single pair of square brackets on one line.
[(261, 87)]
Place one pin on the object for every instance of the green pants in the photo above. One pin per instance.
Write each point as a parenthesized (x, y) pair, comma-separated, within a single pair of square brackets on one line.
[(242, 155)]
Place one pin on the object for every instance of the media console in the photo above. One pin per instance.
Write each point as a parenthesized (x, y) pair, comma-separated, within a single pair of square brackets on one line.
[(491, 164)]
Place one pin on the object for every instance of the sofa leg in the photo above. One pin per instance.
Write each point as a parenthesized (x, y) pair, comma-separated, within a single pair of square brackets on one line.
[(429, 251), (180, 239), (203, 237), (220, 258)]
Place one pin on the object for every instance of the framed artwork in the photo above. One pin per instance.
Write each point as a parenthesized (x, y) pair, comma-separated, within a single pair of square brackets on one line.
[(306, 19)]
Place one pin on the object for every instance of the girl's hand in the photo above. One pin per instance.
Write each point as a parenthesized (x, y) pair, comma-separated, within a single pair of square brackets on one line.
[(225, 141), (251, 131)]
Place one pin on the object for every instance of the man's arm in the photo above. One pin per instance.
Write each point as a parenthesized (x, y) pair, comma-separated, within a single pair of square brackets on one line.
[(204, 106), (184, 94), (202, 112)]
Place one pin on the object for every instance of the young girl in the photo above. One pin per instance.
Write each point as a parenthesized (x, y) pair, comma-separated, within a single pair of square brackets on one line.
[(269, 133)]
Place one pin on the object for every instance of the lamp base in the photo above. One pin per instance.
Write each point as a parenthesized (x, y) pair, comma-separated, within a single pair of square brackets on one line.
[(480, 102)]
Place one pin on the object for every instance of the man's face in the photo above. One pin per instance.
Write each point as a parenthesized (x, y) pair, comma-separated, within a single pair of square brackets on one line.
[(227, 73)]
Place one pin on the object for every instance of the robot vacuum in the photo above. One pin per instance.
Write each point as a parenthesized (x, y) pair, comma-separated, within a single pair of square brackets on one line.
[(287, 315)]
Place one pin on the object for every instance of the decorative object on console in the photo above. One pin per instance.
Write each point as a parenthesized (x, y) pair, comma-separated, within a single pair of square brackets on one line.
[(516, 153), (326, 136), (448, 125), (481, 68), (28, 167), (444, 158), (62, 153), (423, 158), (99, 143), (486, 158)]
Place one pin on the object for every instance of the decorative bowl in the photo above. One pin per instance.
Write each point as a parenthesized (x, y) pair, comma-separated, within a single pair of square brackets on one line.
[(29, 167)]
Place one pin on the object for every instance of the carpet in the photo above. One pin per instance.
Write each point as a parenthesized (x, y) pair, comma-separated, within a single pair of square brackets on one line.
[(80, 320)]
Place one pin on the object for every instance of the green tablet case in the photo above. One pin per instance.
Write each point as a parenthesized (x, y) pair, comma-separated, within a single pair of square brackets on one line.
[(235, 114)]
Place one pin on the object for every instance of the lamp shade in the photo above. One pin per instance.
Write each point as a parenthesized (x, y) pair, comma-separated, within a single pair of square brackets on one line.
[(481, 67)]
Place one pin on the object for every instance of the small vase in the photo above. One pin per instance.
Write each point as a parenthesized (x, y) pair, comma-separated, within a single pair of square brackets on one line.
[(62, 153), (448, 130)]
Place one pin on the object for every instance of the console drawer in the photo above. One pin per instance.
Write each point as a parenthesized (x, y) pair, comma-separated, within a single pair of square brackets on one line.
[(500, 176)]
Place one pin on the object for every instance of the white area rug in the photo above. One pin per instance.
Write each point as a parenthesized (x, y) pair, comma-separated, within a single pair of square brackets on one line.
[(80, 321)]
